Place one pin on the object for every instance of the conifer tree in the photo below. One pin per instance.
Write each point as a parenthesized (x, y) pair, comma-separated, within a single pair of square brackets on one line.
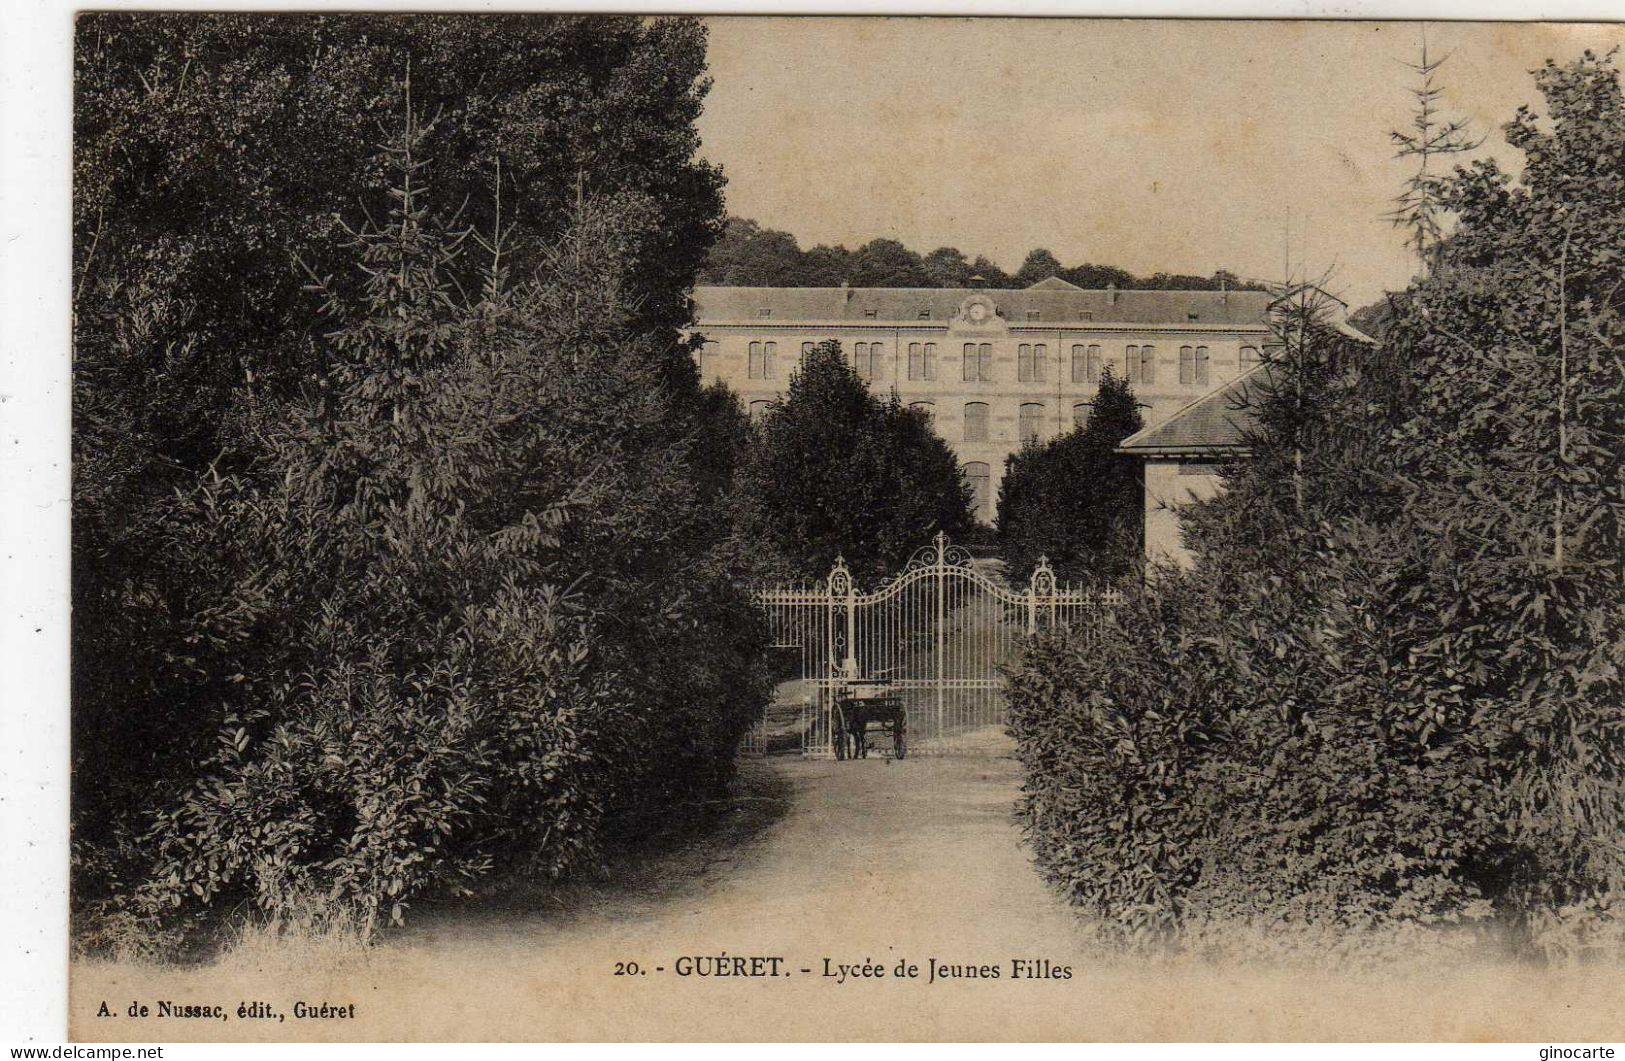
[(1074, 499), (1418, 207), (835, 471)]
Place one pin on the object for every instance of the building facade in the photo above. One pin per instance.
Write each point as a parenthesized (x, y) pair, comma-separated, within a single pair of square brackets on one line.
[(993, 367)]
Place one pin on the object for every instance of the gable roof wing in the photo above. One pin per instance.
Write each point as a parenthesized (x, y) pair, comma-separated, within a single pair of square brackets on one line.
[(1053, 283), (1218, 423)]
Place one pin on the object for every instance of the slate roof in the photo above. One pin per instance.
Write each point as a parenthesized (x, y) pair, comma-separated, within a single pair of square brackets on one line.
[(1216, 423), (1058, 303)]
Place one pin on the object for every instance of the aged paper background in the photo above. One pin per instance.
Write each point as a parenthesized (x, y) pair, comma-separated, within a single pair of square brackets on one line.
[(940, 879)]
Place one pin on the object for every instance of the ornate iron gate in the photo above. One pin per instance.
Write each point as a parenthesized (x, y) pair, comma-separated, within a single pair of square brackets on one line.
[(935, 636)]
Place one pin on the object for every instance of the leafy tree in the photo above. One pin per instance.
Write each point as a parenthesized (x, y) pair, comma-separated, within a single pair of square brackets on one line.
[(211, 152), (750, 255), (835, 471), (826, 267), (1039, 265), (887, 263), (947, 267), (990, 273), (431, 631), (1075, 500)]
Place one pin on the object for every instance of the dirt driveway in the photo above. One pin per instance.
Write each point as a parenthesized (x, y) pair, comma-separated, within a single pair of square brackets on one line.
[(819, 865)]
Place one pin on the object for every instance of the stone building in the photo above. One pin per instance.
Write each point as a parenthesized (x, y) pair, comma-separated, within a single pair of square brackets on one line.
[(992, 366)]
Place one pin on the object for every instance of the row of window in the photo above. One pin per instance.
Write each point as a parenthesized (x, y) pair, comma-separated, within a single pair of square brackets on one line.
[(976, 362), (1030, 419)]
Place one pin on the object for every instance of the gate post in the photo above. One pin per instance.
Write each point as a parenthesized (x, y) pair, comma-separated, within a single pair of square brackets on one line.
[(1042, 582), (842, 589), (939, 574)]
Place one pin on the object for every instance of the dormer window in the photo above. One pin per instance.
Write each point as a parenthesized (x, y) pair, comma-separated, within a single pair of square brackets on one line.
[(1086, 315), (1034, 315), (925, 314), (1193, 316), (871, 314), (764, 312)]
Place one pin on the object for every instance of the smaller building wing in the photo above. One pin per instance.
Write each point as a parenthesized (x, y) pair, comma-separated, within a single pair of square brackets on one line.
[(1217, 423)]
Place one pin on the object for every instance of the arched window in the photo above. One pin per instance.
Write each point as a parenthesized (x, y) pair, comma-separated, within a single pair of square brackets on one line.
[(975, 421), (1249, 357), (806, 348), (922, 361), (761, 360), (1193, 364), (1080, 414), (758, 409), (1032, 420), (1030, 362), (706, 355), (978, 362), (1140, 364), (867, 358), (928, 408), (981, 483)]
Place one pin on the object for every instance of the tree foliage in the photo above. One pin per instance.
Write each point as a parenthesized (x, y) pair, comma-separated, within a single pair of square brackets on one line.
[(213, 152), (453, 599), (1074, 499), (1388, 694), (835, 471)]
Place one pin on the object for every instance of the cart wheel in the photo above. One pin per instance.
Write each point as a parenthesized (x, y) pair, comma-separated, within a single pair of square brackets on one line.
[(899, 744), (837, 728)]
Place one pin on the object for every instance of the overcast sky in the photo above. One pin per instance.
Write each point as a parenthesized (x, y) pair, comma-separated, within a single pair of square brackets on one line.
[(1172, 146)]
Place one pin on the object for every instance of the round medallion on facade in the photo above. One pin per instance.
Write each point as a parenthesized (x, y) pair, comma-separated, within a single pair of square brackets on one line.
[(978, 311)]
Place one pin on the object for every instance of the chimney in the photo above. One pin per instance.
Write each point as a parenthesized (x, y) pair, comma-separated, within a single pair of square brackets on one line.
[(1224, 291), (846, 291), (1111, 294)]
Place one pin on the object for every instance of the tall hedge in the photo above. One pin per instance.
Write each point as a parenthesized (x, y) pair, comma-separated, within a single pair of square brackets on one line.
[(1388, 693)]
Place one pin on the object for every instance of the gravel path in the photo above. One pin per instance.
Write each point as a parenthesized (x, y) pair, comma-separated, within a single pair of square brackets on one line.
[(853, 863)]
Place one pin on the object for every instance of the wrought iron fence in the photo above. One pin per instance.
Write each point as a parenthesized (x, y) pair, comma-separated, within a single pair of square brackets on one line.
[(934, 636)]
